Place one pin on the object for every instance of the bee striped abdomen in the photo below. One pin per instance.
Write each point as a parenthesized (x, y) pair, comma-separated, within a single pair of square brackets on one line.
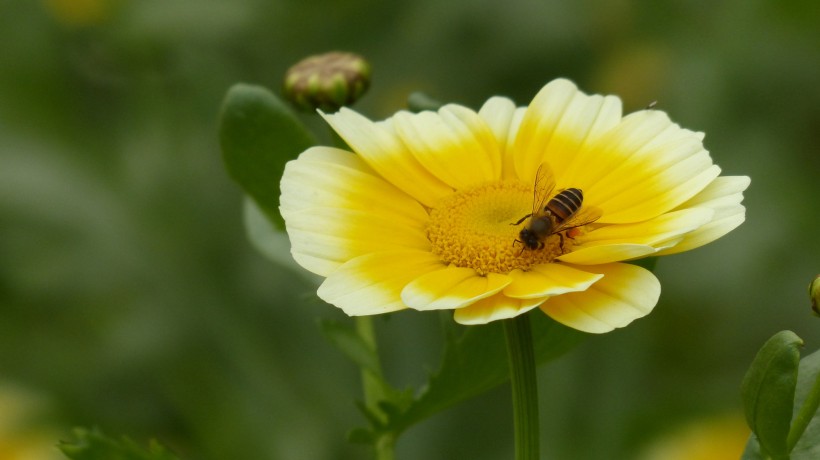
[(565, 204)]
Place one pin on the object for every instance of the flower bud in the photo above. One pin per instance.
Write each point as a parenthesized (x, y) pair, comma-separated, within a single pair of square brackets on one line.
[(327, 81), (814, 295)]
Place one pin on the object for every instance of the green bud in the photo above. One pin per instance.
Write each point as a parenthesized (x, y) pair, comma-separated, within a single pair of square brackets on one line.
[(814, 295), (327, 81)]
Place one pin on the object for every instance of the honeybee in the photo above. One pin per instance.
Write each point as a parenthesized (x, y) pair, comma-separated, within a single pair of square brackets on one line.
[(562, 212)]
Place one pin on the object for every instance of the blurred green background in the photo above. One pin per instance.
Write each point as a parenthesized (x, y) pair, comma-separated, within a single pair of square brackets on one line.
[(130, 298)]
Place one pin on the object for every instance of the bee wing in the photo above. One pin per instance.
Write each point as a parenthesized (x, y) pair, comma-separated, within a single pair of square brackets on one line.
[(585, 215), (542, 189)]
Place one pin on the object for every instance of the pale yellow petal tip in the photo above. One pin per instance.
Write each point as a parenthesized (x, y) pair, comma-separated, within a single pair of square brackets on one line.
[(561, 84), (742, 182)]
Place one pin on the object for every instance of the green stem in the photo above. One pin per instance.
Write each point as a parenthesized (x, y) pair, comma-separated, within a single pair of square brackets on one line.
[(801, 421), (524, 388), (371, 379), (386, 448), (373, 389)]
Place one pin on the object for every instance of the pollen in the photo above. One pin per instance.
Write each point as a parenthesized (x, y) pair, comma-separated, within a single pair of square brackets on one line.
[(475, 228)]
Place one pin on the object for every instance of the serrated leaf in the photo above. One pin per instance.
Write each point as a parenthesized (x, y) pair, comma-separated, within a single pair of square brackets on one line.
[(94, 445), (768, 391), (258, 134), (474, 361), (808, 447)]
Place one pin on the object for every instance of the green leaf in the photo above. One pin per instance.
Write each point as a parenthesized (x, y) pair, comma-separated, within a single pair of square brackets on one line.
[(808, 447), (258, 134), (93, 445), (418, 102), (768, 391), (474, 361)]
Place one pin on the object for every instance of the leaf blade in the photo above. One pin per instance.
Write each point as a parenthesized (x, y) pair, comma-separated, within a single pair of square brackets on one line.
[(768, 391), (258, 134)]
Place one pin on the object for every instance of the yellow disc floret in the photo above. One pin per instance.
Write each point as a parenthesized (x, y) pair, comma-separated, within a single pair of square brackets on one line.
[(472, 228)]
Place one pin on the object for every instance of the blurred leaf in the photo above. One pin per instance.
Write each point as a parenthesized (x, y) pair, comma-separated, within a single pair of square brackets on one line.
[(270, 242), (93, 445), (808, 447), (474, 361), (258, 134), (418, 102), (768, 391)]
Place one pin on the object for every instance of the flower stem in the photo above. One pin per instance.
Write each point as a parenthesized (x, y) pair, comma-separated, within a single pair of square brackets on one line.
[(370, 378), (373, 388), (805, 415), (524, 388)]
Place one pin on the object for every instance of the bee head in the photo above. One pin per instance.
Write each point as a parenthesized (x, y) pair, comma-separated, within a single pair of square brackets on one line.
[(530, 239)]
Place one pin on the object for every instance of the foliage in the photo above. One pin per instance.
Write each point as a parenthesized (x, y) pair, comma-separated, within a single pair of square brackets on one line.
[(474, 360), (259, 134), (94, 445), (781, 400)]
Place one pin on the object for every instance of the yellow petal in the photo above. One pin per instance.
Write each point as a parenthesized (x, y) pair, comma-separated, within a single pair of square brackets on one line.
[(494, 308), (498, 112), (372, 283), (642, 168), (548, 280), (709, 232), (624, 294), (504, 119), (451, 287), (559, 120), (380, 147), (455, 145), (339, 234), (336, 208), (724, 190), (618, 242), (723, 197), (595, 255)]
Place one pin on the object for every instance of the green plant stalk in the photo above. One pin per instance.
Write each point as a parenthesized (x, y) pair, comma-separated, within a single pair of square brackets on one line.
[(524, 388), (373, 388), (805, 415)]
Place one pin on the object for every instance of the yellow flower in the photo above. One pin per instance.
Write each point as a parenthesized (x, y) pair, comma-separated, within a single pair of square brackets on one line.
[(420, 215)]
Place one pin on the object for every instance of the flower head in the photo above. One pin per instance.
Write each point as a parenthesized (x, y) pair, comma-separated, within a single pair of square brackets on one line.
[(422, 214)]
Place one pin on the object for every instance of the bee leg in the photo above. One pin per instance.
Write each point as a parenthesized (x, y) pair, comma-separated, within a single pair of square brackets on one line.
[(522, 219), (522, 246), (561, 241)]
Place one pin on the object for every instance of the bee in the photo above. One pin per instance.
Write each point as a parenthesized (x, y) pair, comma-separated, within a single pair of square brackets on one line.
[(564, 211)]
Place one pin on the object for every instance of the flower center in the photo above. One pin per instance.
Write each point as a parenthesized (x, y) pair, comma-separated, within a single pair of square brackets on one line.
[(472, 228)]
